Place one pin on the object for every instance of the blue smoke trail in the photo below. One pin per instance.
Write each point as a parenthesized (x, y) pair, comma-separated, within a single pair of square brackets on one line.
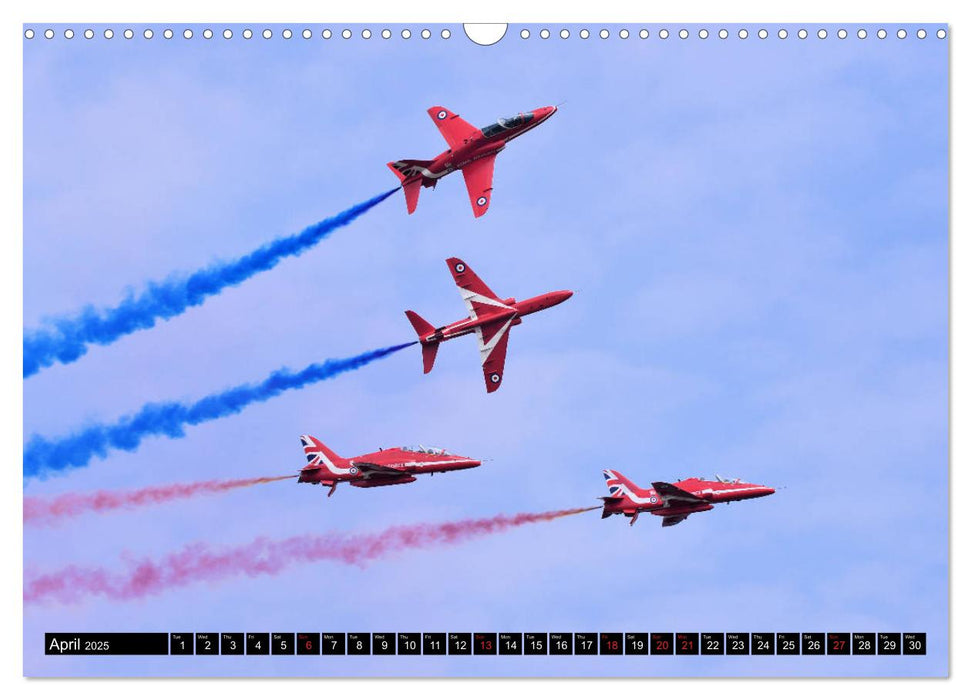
[(67, 338), (44, 457)]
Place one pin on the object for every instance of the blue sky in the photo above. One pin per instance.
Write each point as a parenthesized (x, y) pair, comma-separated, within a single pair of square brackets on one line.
[(757, 235)]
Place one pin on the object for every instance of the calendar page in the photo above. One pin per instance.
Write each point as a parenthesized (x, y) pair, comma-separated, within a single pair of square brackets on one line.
[(538, 350)]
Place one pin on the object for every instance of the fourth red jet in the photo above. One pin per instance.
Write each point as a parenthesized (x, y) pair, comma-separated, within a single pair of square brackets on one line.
[(673, 502)]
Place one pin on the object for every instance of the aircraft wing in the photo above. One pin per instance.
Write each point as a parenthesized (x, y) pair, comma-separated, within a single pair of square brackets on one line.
[(369, 470), (455, 130), (670, 520), (478, 181), (475, 293), (493, 338), (673, 496)]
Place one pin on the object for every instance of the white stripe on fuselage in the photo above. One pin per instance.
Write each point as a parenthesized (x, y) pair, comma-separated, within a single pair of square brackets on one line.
[(369, 465), (699, 494), (635, 498), (432, 464), (741, 490), (432, 175), (331, 467), (428, 173)]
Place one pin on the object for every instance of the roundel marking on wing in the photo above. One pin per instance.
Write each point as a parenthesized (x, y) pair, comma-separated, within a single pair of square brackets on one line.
[(442, 114), (460, 268), (494, 377), (481, 201)]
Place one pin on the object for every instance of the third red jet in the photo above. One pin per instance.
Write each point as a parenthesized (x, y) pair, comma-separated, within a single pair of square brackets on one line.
[(396, 465), (471, 150), (490, 318), (673, 502)]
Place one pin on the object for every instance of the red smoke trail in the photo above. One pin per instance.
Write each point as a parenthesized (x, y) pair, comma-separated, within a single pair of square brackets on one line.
[(44, 511), (197, 562)]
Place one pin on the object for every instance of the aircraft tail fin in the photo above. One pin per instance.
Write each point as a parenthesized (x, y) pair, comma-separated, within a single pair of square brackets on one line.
[(319, 456), (422, 327), (428, 353), (412, 189), (428, 350), (618, 485), (410, 174)]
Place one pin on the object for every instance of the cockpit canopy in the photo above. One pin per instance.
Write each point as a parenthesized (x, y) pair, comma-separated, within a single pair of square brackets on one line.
[(421, 449), (507, 123)]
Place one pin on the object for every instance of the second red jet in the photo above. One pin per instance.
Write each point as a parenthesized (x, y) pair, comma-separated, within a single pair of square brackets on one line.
[(490, 318), (397, 465)]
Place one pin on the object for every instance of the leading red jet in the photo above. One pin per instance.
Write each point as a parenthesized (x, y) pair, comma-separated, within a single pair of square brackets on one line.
[(490, 318), (471, 150), (386, 467), (673, 502)]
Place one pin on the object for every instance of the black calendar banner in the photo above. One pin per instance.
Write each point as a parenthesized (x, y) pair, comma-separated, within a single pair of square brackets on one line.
[(486, 643)]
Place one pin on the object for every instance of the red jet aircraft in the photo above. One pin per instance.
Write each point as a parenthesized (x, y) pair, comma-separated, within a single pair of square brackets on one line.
[(490, 318), (396, 465), (673, 502), (471, 150)]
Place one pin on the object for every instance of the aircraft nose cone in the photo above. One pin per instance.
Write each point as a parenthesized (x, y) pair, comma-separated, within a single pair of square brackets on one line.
[(545, 112), (553, 298)]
